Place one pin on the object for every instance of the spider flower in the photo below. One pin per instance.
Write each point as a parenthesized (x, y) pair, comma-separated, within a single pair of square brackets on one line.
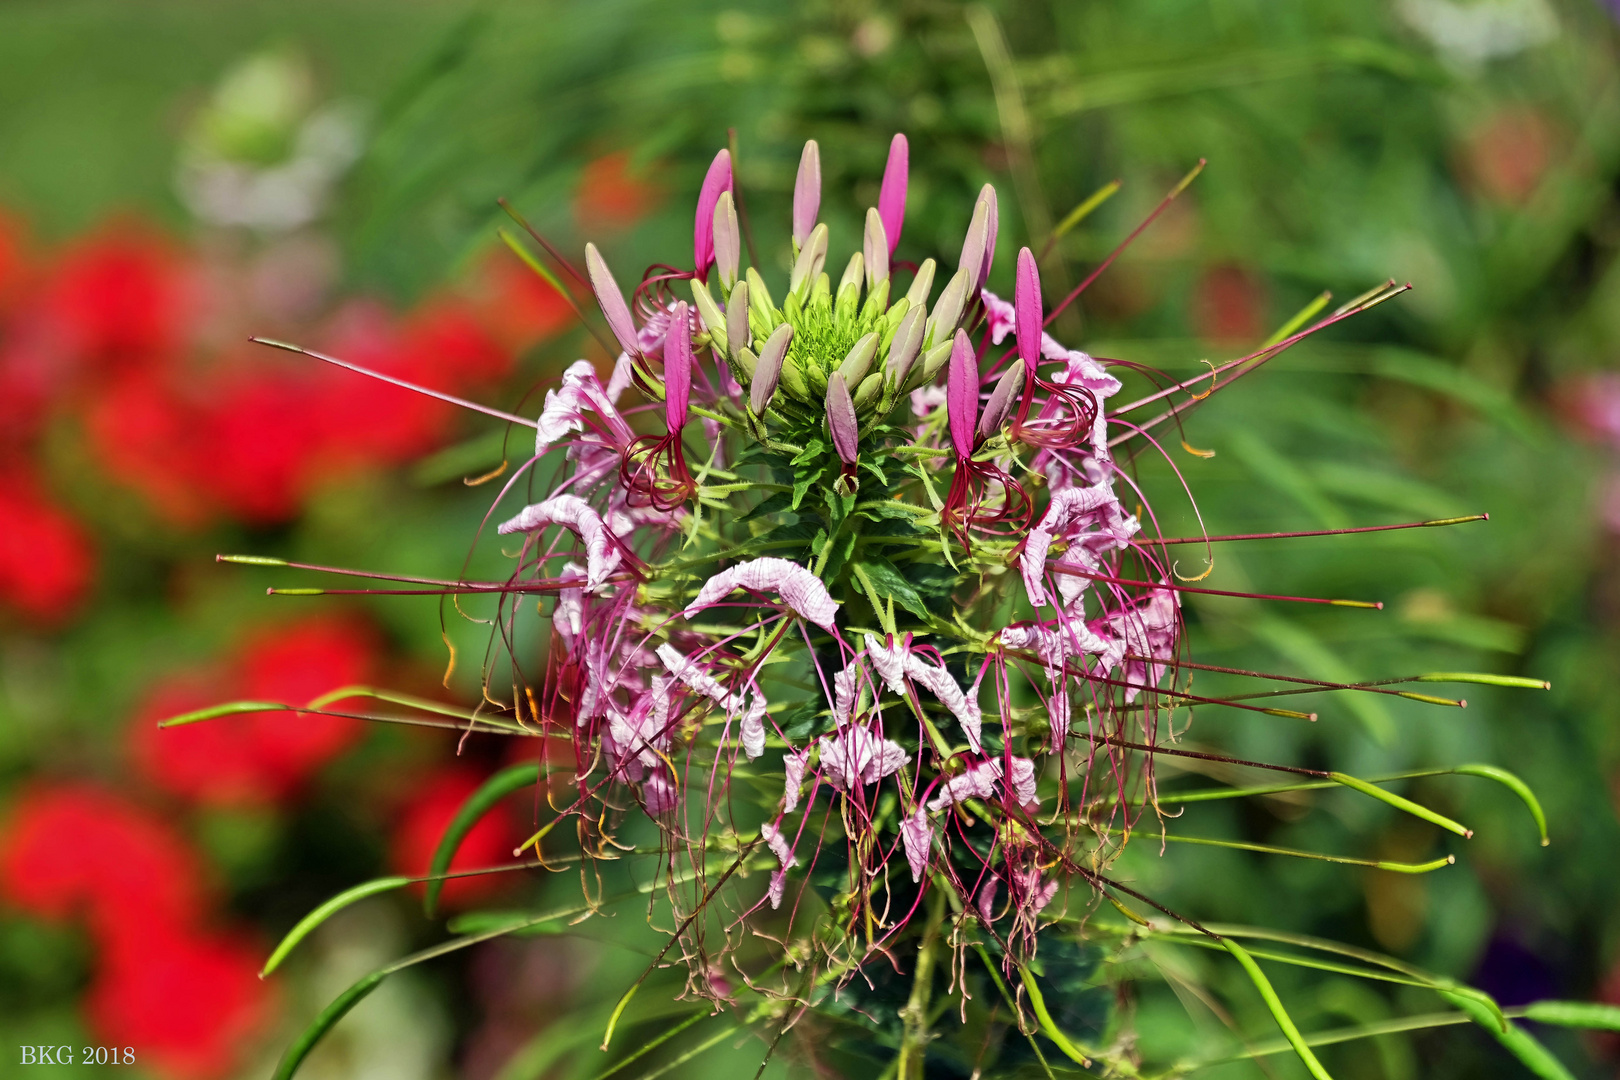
[(888, 575)]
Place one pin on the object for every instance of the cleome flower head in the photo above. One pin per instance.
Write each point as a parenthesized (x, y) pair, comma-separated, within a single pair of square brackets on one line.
[(848, 607)]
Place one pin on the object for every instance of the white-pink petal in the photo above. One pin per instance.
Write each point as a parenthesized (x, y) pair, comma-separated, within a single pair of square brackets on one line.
[(793, 769), (977, 781), (1022, 782), (802, 592), (917, 833), (855, 757), (602, 555)]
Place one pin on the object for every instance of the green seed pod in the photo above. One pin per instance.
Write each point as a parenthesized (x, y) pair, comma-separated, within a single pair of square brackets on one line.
[(868, 391), (859, 360)]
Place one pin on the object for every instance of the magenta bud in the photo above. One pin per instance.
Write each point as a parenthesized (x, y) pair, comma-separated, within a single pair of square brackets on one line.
[(962, 394), (768, 372), (807, 193), (892, 196), (841, 420), (677, 367), (1027, 309), (611, 300), (1001, 400), (717, 180)]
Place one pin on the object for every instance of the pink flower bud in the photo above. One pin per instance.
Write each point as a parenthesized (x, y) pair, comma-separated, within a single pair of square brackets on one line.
[(841, 420), (962, 394), (727, 243), (717, 180), (611, 300), (892, 196), (875, 249), (768, 372), (677, 367), (1001, 400), (807, 193)]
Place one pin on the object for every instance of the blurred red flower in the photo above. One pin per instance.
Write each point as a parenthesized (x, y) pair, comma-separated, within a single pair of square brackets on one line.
[(1228, 305), (46, 557), (186, 1002), (263, 757), (422, 824), (78, 849), (612, 194)]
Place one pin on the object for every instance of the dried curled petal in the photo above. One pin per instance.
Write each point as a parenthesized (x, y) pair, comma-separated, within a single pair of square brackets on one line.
[(917, 833), (602, 555)]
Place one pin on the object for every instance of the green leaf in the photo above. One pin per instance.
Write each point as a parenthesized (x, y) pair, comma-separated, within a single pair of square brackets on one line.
[(813, 452), (308, 923), (475, 807), (1520, 1043), (781, 500), (890, 583)]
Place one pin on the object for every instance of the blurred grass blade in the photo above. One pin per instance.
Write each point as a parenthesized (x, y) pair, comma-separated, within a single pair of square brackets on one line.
[(1278, 1013), (1301, 317), (337, 1010), (1576, 1014), (472, 810), (308, 923), (1399, 803), (1520, 1043)]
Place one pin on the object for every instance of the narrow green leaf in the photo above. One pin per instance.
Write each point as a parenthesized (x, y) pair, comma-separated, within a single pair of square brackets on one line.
[(1399, 803), (889, 582), (228, 709), (308, 923), (1514, 784), (530, 261), (1049, 1026), (337, 1010), (478, 922), (1278, 1013), (472, 810), (1520, 1043), (1576, 1014)]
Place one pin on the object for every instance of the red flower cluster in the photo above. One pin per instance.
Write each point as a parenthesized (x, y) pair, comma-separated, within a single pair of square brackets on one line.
[(183, 997), (122, 329), (264, 757), (46, 558)]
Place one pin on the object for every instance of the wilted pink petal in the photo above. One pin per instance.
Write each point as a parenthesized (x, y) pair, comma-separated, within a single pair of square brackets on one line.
[(659, 794), (803, 593), (777, 888), (1022, 782), (1053, 645), (889, 661), (602, 555), (1036, 895), (568, 618), (1027, 299), (717, 180), (753, 727), (793, 767), (1149, 629), (943, 685), (917, 832), (1079, 369), (1057, 712), (696, 679), (778, 844), (962, 394), (846, 689), (611, 301), (565, 408), (855, 757), (1071, 511), (841, 420), (677, 368), (807, 193), (892, 196), (986, 904), (977, 781)]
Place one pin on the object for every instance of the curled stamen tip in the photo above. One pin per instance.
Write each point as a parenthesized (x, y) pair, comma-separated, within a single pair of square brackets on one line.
[(1468, 834)]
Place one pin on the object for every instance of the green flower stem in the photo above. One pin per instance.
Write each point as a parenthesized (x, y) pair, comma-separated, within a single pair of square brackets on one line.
[(914, 1016)]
